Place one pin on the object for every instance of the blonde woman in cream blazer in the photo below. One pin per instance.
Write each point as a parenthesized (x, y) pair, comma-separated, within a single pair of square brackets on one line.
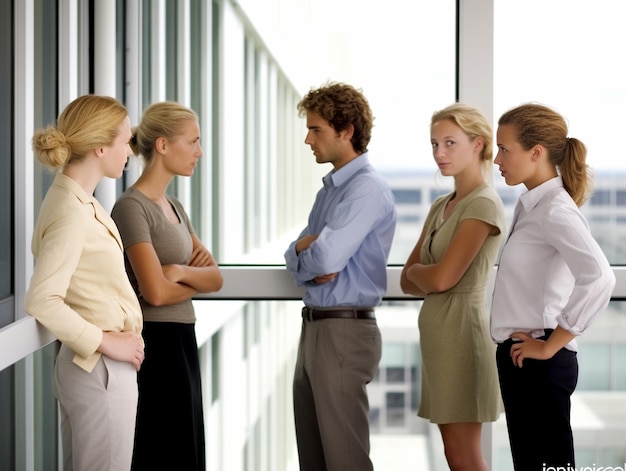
[(79, 289)]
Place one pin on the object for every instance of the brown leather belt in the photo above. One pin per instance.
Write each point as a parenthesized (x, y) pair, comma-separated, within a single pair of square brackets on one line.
[(318, 314)]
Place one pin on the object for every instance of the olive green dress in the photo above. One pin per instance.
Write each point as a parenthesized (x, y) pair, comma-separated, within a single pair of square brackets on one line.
[(459, 375)]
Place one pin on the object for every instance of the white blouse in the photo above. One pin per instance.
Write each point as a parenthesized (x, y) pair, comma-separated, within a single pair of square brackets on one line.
[(551, 270)]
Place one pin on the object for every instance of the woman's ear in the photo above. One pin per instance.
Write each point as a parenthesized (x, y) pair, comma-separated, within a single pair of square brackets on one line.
[(160, 145), (479, 143), (536, 152)]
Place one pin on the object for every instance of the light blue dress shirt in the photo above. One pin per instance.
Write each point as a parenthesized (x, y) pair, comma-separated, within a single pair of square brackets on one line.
[(354, 216)]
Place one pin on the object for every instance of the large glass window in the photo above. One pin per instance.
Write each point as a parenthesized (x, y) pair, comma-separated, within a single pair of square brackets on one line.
[(281, 176), (46, 85), (578, 71), (46, 88), (146, 53), (7, 418), (6, 163), (403, 93), (199, 58)]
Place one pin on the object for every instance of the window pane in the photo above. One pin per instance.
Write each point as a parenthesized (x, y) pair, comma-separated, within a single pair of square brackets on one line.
[(620, 367), (6, 167), (580, 73), (595, 368), (403, 100), (278, 185), (46, 85), (46, 416), (598, 404), (7, 418)]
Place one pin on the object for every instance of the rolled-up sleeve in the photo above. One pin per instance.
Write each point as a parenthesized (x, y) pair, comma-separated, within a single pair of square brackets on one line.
[(594, 279)]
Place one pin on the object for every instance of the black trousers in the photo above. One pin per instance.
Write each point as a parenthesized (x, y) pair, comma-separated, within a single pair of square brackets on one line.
[(537, 404), (170, 419)]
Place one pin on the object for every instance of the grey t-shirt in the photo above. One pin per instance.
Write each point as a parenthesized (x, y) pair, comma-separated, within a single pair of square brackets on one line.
[(139, 219)]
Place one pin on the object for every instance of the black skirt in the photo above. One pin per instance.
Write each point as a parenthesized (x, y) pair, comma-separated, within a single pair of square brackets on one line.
[(170, 421)]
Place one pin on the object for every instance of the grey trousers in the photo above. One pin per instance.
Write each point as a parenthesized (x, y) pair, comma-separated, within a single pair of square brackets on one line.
[(98, 412), (336, 359)]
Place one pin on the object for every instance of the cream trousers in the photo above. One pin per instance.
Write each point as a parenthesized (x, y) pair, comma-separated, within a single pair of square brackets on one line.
[(98, 412)]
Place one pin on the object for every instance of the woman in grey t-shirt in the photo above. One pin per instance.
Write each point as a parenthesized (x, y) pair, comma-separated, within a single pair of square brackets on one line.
[(167, 265)]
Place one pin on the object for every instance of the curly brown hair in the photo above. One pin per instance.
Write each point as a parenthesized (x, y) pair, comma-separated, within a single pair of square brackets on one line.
[(341, 105)]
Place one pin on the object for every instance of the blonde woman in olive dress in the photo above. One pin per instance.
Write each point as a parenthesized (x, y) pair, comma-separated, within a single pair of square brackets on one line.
[(450, 267)]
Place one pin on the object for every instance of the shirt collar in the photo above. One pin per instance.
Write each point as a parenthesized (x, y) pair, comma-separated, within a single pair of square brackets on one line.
[(100, 213), (72, 185), (531, 198), (339, 177)]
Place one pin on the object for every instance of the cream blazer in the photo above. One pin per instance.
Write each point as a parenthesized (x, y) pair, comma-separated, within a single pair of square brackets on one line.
[(79, 286)]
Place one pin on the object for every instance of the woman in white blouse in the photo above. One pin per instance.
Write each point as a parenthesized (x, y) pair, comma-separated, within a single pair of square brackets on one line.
[(552, 281)]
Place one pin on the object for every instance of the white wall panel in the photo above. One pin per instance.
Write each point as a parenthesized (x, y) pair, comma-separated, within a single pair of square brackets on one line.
[(231, 127), (105, 77)]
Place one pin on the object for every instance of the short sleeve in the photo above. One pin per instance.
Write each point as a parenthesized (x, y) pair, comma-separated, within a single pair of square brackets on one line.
[(487, 207), (131, 219)]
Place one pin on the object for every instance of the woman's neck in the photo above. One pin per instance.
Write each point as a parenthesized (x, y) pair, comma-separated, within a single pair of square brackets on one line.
[(464, 185), (153, 184), (86, 175)]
